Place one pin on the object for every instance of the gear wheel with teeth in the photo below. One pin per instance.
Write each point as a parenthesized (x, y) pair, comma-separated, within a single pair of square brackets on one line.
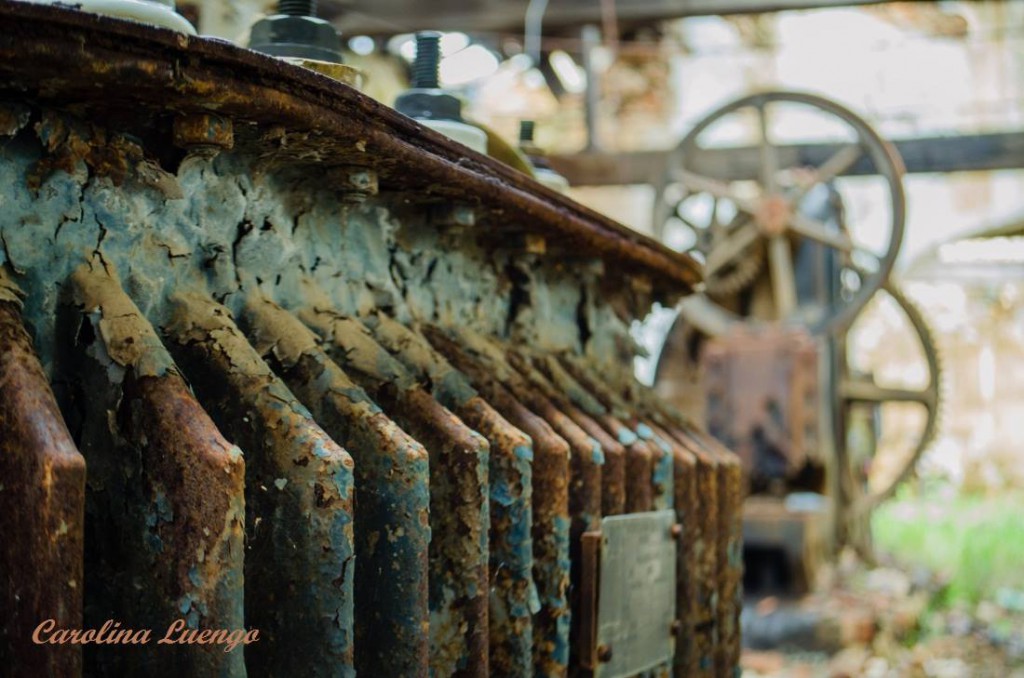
[(930, 397), (739, 275)]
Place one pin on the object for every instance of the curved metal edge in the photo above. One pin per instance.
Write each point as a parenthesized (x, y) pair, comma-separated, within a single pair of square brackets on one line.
[(64, 56), (933, 408), (883, 154)]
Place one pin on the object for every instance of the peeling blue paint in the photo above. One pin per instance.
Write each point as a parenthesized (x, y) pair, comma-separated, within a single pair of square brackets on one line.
[(626, 437)]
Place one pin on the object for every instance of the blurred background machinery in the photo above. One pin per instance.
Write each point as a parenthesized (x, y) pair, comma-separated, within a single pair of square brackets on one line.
[(761, 354), (275, 222)]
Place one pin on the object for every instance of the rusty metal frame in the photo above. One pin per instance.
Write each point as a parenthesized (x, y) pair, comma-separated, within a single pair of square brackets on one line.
[(42, 508), (65, 58), (300, 496)]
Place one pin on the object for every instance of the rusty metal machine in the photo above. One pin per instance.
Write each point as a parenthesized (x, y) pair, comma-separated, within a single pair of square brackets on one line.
[(788, 271), (291, 384)]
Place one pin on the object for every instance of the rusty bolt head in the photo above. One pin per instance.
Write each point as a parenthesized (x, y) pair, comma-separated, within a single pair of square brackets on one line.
[(676, 531), (604, 653), (458, 215), (355, 183), (535, 243), (203, 132)]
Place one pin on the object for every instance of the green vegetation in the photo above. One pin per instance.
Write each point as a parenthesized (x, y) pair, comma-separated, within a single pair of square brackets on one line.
[(975, 544)]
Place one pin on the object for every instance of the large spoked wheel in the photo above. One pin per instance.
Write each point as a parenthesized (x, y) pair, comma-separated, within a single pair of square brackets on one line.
[(736, 226), (871, 486)]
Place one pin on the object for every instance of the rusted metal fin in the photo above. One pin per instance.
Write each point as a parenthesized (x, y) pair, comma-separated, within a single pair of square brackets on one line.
[(731, 484), (459, 514), (695, 483), (299, 566), (585, 494), (392, 533), (645, 458), (721, 468), (687, 517), (587, 455), (640, 454), (513, 598), (42, 509), (550, 507), (614, 453), (165, 505)]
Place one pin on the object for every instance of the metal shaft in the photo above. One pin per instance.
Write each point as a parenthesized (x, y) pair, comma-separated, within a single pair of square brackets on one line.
[(297, 7), (428, 60)]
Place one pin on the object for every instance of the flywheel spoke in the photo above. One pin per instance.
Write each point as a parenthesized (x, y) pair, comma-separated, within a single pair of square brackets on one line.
[(783, 277), (719, 189), (819, 232), (769, 155), (731, 248), (862, 391), (837, 163)]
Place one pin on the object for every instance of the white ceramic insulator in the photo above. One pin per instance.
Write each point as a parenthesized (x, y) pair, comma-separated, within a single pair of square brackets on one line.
[(467, 135)]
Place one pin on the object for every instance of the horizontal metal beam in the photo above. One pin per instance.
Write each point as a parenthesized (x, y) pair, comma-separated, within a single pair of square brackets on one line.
[(970, 153), (400, 16)]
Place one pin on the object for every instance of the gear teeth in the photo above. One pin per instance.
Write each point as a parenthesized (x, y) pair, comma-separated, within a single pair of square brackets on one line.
[(742, 276), (936, 387)]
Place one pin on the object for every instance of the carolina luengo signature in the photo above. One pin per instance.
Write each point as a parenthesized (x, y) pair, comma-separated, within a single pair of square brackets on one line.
[(112, 633)]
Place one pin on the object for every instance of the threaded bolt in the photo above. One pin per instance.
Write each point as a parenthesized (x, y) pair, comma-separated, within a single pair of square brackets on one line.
[(296, 7), (526, 131), (428, 60)]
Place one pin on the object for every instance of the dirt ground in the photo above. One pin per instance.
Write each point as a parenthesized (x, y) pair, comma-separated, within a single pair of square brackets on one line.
[(883, 622)]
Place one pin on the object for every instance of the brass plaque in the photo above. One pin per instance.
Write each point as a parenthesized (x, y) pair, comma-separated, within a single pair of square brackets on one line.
[(637, 593)]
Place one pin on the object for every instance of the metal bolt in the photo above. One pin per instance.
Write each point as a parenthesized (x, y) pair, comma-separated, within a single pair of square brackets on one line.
[(425, 100), (426, 66), (676, 531), (297, 7), (203, 133), (526, 128), (458, 216), (535, 243), (604, 653), (295, 32), (355, 183)]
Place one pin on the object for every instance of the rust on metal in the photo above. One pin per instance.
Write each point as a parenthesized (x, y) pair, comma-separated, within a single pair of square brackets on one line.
[(513, 598), (392, 532), (643, 455), (201, 131), (42, 507), (759, 385), (590, 564), (165, 505), (586, 460), (695, 485), (687, 512), (730, 495), (731, 484), (459, 512), (580, 406), (613, 475), (453, 540), (587, 455), (551, 522), (60, 56), (300, 557)]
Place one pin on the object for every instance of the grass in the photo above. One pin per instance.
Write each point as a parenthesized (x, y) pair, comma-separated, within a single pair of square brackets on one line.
[(975, 544)]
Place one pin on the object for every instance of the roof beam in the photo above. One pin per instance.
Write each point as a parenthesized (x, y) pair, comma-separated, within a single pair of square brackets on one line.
[(399, 16), (969, 153)]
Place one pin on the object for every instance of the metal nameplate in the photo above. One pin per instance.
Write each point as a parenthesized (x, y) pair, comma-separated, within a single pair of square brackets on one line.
[(636, 599)]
